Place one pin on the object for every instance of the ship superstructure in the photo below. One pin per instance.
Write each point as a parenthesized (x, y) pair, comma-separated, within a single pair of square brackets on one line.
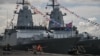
[(57, 23)]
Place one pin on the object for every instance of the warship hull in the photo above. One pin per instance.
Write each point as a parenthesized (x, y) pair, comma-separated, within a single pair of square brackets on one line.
[(59, 45), (91, 46)]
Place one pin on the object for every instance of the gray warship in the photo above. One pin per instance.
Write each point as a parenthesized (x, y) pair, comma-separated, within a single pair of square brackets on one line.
[(89, 44), (55, 39)]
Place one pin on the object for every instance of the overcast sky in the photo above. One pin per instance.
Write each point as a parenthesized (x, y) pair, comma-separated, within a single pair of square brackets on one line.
[(89, 9)]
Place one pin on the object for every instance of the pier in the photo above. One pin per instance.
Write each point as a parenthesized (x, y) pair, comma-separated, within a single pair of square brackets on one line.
[(30, 53)]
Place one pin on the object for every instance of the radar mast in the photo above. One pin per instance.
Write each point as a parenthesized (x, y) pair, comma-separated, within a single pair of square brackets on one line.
[(24, 16), (56, 15)]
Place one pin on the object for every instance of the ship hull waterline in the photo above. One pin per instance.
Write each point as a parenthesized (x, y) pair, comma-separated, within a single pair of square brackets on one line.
[(59, 45)]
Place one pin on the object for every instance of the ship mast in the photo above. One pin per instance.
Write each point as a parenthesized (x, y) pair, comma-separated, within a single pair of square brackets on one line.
[(53, 5), (23, 2)]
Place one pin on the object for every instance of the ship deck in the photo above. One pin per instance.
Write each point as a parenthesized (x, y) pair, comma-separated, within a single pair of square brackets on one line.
[(30, 53)]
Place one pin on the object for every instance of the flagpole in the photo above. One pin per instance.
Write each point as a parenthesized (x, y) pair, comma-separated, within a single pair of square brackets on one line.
[(72, 30)]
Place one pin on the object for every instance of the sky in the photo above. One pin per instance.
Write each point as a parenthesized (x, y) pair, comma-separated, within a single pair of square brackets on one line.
[(89, 9)]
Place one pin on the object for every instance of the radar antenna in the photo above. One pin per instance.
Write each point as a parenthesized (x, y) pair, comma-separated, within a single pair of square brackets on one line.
[(23, 2), (53, 4)]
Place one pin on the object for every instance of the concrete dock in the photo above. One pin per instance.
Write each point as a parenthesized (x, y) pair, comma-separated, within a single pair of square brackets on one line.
[(30, 53)]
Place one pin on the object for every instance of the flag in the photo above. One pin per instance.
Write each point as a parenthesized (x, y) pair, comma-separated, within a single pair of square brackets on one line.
[(69, 26), (48, 19), (52, 22), (55, 23), (36, 11)]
